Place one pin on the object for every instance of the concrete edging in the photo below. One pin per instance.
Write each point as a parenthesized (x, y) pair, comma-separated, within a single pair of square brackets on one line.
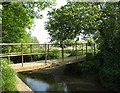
[(22, 87)]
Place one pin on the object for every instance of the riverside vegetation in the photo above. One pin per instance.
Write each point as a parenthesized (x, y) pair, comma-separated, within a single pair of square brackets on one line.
[(8, 77)]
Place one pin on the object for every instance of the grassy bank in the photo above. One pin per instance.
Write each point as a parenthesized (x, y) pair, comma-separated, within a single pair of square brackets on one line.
[(8, 77)]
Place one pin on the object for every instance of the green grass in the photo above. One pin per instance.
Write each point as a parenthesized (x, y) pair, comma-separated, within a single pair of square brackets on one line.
[(8, 77)]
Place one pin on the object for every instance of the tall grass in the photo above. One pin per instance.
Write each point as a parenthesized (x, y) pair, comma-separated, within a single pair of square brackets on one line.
[(8, 77)]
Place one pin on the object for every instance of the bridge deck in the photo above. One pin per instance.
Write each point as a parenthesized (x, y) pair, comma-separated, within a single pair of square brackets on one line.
[(41, 64)]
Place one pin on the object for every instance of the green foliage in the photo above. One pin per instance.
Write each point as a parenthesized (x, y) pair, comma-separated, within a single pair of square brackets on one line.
[(73, 53), (0, 14), (66, 54), (110, 27), (87, 66), (72, 19), (90, 56), (70, 42), (90, 41), (8, 77), (14, 23), (110, 71), (39, 6), (32, 39), (55, 54), (17, 17), (109, 45)]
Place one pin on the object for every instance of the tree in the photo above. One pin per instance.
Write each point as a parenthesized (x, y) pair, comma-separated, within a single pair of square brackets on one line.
[(71, 20), (102, 22), (110, 26), (34, 8), (0, 23), (109, 30), (17, 16), (14, 22), (32, 39)]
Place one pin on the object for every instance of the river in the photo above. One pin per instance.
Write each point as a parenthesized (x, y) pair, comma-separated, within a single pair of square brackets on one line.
[(41, 81)]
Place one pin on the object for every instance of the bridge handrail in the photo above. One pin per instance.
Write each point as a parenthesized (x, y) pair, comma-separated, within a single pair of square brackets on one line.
[(34, 44), (46, 51)]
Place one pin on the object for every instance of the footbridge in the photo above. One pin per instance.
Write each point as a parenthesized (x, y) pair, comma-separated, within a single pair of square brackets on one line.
[(76, 52)]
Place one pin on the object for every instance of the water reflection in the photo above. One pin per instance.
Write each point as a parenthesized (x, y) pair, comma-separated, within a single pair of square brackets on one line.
[(40, 84), (57, 87), (36, 85), (58, 84)]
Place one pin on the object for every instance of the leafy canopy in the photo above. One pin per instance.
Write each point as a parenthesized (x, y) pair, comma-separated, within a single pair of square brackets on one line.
[(17, 16), (72, 19)]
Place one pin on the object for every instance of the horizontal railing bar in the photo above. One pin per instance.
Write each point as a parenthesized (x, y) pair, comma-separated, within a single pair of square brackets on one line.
[(5, 55), (33, 44), (20, 44)]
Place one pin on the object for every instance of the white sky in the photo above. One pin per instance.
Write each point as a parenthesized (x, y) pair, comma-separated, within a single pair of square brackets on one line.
[(39, 30)]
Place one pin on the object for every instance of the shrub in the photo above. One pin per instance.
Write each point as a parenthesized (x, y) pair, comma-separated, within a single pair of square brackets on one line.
[(8, 77), (110, 70), (73, 53), (98, 60), (66, 54), (38, 57), (86, 67), (55, 54), (90, 56)]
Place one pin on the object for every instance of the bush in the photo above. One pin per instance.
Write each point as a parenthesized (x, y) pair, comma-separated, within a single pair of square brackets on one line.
[(98, 60), (55, 54), (8, 77), (66, 54), (38, 57), (73, 53), (110, 70), (90, 56), (86, 67)]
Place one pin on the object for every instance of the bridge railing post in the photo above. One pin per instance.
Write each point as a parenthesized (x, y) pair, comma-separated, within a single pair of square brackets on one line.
[(22, 54), (76, 49), (48, 52), (86, 50), (94, 50), (82, 48), (45, 54), (31, 52), (62, 52), (72, 47), (9, 54)]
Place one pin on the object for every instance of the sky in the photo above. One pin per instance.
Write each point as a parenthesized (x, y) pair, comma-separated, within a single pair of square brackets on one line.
[(39, 30)]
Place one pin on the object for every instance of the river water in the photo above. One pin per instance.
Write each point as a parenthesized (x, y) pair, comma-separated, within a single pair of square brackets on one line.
[(60, 83)]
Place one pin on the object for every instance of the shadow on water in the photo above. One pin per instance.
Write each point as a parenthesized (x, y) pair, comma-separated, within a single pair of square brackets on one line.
[(43, 82), (40, 81)]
